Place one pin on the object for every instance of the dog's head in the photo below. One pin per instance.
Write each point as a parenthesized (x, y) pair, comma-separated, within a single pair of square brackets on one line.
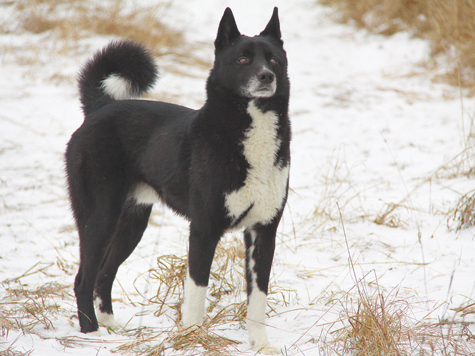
[(251, 67)]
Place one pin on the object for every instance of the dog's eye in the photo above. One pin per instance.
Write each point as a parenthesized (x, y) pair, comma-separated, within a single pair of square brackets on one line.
[(243, 60), (273, 60)]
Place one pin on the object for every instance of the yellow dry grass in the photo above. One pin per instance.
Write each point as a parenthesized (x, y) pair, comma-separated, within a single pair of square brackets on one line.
[(464, 212), (70, 20), (449, 25), (65, 28), (377, 322)]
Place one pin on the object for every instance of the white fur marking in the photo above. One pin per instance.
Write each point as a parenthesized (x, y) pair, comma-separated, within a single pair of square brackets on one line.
[(252, 262), (105, 319), (255, 89), (117, 87), (95, 334), (194, 304), (145, 194), (256, 310), (265, 183), (108, 320)]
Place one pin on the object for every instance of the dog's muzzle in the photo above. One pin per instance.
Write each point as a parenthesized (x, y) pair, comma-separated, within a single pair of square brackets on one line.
[(262, 85)]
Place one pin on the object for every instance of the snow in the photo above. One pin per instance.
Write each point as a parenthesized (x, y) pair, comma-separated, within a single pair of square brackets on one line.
[(370, 129)]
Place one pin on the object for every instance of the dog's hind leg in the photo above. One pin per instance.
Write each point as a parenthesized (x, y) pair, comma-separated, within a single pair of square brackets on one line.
[(95, 232), (260, 245), (128, 233)]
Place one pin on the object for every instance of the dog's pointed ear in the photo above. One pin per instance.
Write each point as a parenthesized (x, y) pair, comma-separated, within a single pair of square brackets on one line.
[(227, 31), (273, 27)]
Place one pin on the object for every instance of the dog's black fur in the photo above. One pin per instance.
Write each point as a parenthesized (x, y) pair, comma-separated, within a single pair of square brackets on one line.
[(193, 159)]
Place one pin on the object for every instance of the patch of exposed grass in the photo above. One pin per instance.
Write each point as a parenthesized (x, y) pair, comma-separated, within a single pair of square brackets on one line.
[(64, 28), (380, 323), (69, 21), (374, 325), (449, 25), (464, 212), (24, 308)]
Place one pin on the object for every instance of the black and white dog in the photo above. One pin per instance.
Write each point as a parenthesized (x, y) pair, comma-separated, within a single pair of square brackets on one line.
[(223, 167)]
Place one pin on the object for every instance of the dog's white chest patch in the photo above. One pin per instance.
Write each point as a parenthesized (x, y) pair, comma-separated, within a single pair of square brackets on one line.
[(265, 185)]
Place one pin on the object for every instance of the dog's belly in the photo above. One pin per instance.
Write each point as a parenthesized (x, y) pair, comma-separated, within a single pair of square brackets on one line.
[(144, 194), (265, 187)]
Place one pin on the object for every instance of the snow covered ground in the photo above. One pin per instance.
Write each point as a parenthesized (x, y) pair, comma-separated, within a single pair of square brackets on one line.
[(371, 132)]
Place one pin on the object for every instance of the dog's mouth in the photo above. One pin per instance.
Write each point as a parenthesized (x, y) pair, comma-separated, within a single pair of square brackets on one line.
[(260, 91), (264, 91), (256, 89)]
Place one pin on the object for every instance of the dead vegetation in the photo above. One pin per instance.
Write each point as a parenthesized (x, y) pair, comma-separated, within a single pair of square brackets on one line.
[(226, 298), (376, 322), (69, 21), (449, 25), (66, 28), (464, 212), (24, 308)]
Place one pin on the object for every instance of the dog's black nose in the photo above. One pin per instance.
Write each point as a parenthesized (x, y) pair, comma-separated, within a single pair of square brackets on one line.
[(265, 77)]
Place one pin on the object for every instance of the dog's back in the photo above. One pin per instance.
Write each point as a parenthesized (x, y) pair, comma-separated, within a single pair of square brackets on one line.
[(224, 166)]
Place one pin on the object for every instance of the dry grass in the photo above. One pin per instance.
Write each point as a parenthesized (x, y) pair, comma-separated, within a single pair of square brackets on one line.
[(226, 280), (449, 25), (71, 20), (169, 275), (376, 322), (65, 28), (26, 309), (226, 297), (464, 212), (465, 310), (337, 189), (374, 325), (23, 308), (380, 323), (373, 321), (203, 340), (461, 165)]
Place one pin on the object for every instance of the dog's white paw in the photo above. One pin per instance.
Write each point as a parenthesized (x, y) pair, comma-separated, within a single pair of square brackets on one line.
[(96, 333), (108, 321), (266, 349)]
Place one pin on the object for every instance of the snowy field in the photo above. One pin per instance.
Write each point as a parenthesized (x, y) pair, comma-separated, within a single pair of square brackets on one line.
[(375, 139)]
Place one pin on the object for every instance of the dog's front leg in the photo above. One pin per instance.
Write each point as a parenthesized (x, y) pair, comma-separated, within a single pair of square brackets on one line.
[(202, 245), (260, 245), (194, 302)]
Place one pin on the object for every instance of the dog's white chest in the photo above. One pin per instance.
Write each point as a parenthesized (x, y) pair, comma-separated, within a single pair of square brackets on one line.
[(265, 185)]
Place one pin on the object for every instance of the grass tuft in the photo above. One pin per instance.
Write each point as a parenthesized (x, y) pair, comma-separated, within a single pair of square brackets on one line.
[(464, 212), (383, 324), (170, 276), (375, 325)]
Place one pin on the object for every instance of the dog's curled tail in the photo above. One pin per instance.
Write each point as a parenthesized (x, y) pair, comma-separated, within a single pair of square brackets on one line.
[(123, 70)]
